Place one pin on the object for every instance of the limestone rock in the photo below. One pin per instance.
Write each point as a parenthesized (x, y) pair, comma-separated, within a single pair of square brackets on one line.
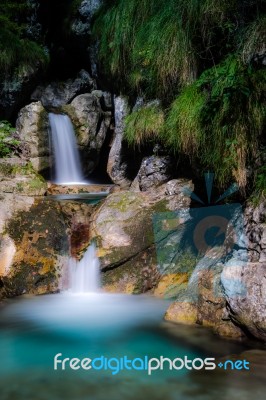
[(15, 91), (91, 124), (81, 26), (202, 301), (256, 231), (32, 128), (57, 94), (117, 167), (229, 295), (154, 171), (54, 189), (33, 245), (123, 229), (182, 313), (245, 291)]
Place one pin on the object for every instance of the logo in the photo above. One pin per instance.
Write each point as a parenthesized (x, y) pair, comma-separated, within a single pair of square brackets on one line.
[(145, 364)]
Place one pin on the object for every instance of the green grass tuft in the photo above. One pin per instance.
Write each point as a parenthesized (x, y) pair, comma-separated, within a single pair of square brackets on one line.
[(220, 119), (144, 124), (157, 47)]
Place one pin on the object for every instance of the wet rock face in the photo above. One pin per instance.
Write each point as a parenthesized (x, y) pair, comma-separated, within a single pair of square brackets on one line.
[(34, 27), (77, 217), (57, 94), (256, 232), (81, 29), (244, 283), (33, 246), (82, 24), (16, 86), (245, 291), (15, 91), (229, 296), (199, 295)]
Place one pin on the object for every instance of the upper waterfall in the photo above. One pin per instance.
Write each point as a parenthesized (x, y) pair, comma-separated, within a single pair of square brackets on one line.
[(66, 157)]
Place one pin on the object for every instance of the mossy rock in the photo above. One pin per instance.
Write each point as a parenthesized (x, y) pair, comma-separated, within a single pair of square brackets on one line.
[(40, 241), (123, 229)]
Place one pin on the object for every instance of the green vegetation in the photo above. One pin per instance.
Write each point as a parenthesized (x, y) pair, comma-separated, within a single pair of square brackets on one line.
[(17, 52), (254, 39), (260, 186), (7, 141), (157, 47), (201, 59), (147, 122), (220, 119)]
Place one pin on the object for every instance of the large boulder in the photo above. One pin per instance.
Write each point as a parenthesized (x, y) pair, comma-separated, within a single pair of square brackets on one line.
[(154, 171), (32, 128), (123, 228), (91, 124), (202, 300), (57, 94), (227, 291), (33, 245), (244, 282)]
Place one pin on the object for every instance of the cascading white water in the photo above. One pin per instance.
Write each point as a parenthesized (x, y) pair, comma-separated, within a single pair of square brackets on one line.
[(85, 274), (67, 161)]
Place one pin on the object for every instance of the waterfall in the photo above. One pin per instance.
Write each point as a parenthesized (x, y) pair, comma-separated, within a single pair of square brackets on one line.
[(85, 274), (67, 161)]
